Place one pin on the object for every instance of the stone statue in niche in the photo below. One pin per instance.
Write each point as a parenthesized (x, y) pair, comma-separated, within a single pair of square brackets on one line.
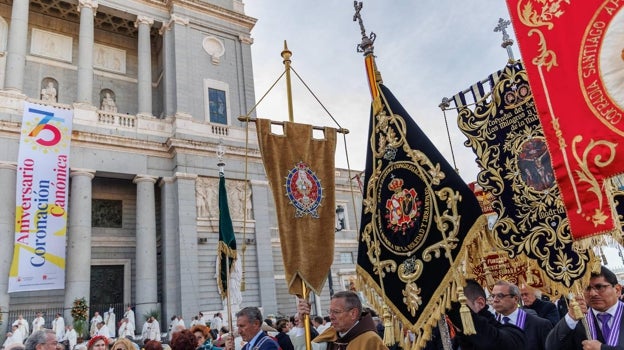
[(108, 103), (48, 93)]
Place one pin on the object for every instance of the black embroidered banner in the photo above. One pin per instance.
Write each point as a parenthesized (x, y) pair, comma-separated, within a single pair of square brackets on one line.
[(505, 133), (416, 213)]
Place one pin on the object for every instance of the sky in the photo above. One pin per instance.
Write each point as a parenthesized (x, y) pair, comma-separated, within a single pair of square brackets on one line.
[(425, 50)]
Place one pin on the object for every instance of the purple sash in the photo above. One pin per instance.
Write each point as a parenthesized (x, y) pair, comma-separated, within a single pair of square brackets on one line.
[(615, 333)]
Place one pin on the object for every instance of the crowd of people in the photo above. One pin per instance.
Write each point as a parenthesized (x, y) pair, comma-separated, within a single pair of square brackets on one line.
[(510, 317)]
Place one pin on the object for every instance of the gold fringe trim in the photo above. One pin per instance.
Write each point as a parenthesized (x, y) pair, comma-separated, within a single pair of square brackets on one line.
[(443, 296)]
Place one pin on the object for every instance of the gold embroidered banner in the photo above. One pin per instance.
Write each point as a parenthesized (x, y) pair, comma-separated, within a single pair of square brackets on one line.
[(301, 173), (576, 69), (417, 213), (507, 138)]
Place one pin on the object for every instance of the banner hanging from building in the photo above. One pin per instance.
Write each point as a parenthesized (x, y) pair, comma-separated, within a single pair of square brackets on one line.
[(41, 199), (575, 65), (507, 138)]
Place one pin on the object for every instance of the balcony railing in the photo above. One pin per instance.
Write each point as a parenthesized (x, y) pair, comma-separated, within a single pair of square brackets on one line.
[(117, 119)]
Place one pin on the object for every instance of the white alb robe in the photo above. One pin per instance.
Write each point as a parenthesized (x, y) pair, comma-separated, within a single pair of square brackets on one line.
[(109, 319), (94, 322), (22, 326), (38, 323), (58, 326), (71, 337), (130, 316), (126, 330)]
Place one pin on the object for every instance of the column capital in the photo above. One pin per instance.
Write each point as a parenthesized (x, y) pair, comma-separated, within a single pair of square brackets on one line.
[(143, 20), (174, 19), (8, 165), (92, 4), (245, 39), (82, 172), (144, 178)]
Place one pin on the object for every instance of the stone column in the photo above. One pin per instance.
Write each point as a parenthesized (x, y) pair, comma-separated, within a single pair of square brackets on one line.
[(169, 83), (78, 261), (183, 65), (7, 229), (87, 10), (261, 194), (146, 269), (16, 48), (145, 65)]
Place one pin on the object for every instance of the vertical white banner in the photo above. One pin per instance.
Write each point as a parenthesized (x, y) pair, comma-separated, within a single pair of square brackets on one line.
[(41, 199)]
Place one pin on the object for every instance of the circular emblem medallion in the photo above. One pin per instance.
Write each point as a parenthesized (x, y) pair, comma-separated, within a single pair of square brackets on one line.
[(403, 215), (304, 190)]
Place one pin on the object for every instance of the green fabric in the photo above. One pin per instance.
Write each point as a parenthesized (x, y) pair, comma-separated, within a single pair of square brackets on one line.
[(227, 242)]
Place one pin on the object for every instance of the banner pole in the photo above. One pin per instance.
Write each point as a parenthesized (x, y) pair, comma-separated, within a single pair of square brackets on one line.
[(306, 318)]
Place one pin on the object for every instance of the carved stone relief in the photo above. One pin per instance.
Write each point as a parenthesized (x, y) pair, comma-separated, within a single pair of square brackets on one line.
[(51, 45), (109, 58), (207, 198)]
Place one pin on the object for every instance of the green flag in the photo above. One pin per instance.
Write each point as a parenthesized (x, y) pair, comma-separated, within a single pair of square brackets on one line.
[(226, 250)]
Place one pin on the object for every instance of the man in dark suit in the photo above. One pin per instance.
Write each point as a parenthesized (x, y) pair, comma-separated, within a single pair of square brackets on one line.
[(506, 297), (603, 318), (531, 300), (491, 335), (249, 322)]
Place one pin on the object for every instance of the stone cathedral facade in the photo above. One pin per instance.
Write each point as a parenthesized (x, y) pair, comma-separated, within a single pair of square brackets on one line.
[(154, 86)]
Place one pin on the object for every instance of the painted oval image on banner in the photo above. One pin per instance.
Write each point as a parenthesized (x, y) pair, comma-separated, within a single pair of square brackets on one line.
[(534, 164), (601, 65), (304, 190), (403, 215)]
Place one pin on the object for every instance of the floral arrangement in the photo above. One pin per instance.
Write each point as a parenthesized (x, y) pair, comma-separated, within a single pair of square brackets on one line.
[(80, 309), (80, 312)]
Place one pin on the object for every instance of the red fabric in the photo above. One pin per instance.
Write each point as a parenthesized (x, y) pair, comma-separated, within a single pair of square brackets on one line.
[(576, 66)]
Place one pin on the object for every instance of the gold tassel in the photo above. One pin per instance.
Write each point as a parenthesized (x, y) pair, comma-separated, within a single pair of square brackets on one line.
[(529, 275), (242, 284), (577, 314), (397, 332), (388, 338), (596, 266), (464, 312)]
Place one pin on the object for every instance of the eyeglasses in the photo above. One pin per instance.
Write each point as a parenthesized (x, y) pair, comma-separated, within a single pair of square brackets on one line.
[(500, 296), (597, 287), (337, 312), (55, 343)]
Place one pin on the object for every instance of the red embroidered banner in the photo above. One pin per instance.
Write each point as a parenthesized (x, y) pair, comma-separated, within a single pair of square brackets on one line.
[(574, 59)]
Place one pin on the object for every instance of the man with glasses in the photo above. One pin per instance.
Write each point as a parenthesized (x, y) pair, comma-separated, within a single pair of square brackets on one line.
[(41, 340), (505, 299), (491, 334), (603, 318), (350, 329)]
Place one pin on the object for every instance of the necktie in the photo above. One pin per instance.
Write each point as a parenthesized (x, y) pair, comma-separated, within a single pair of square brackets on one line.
[(506, 320), (606, 330)]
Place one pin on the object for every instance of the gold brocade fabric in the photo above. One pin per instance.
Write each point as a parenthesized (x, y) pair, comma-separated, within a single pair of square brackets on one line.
[(301, 173)]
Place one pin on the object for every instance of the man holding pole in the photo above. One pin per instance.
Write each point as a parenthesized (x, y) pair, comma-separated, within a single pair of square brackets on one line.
[(350, 329)]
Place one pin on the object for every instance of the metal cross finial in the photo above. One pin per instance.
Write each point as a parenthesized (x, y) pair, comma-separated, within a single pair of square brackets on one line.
[(507, 41), (366, 46)]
